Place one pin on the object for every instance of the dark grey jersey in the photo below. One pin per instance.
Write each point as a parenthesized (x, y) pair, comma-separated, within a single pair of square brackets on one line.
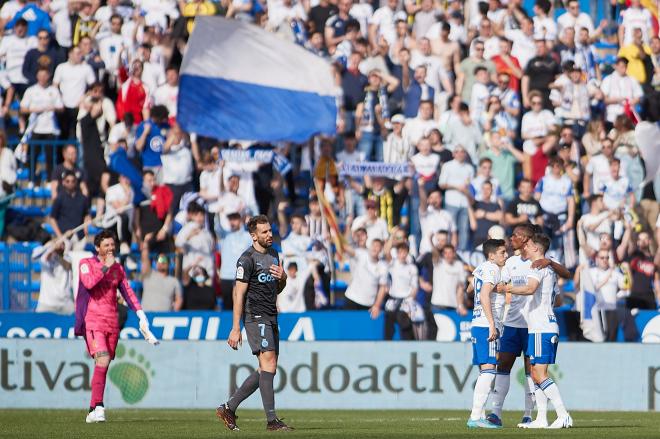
[(253, 268)]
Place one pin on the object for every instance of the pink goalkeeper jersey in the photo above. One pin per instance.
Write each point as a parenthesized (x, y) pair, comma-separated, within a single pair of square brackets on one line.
[(101, 312)]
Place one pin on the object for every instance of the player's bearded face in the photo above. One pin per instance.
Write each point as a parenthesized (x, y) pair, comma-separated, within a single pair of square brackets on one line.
[(264, 235)]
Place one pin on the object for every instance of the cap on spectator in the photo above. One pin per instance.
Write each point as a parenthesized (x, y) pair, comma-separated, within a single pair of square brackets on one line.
[(496, 232), (370, 204), (398, 118)]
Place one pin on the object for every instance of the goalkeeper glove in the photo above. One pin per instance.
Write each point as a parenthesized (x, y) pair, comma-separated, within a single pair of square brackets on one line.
[(144, 328)]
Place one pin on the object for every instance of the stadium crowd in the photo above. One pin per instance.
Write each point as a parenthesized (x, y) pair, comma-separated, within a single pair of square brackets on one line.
[(506, 116)]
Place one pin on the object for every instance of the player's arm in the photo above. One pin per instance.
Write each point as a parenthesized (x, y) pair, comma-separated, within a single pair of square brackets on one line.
[(556, 267), (277, 271), (484, 296), (133, 303), (239, 292), (523, 290), (91, 272)]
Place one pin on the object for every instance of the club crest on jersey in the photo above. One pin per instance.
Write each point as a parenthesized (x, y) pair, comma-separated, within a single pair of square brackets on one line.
[(239, 273), (264, 343)]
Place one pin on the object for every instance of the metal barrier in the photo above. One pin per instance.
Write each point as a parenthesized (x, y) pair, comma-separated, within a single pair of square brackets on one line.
[(45, 147), (18, 271)]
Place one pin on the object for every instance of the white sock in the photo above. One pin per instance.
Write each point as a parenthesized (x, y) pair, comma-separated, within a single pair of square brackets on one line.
[(481, 391), (502, 383), (552, 392), (541, 405), (529, 396)]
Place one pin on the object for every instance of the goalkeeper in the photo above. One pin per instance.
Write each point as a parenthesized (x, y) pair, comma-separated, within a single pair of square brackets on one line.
[(96, 313)]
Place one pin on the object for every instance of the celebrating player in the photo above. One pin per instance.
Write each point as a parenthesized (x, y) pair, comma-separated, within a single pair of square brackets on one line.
[(543, 332), (260, 277), (514, 335), (486, 321), (96, 313)]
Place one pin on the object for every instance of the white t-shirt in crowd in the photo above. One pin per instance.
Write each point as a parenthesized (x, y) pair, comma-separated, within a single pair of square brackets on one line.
[(177, 165), (229, 202), (537, 124), (599, 168), (41, 97), (55, 285), (426, 165), (167, 95), (544, 29), (196, 249), (446, 279), (432, 221), (523, 47), (13, 50), (615, 192), (617, 86), (109, 50), (478, 100), (555, 193), (368, 276), (114, 194), (292, 297), (568, 20), (607, 283), (404, 279), (383, 19), (416, 128), (456, 173), (632, 18), (375, 230), (209, 181), (73, 80)]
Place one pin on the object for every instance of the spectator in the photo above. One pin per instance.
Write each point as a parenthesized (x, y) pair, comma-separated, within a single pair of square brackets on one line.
[(484, 215), (448, 50), (621, 91), (296, 243), (572, 101), (455, 178), (168, 93), (70, 208), (503, 156), (92, 148), (161, 292), (151, 136), (635, 16), (55, 293), (585, 56), (118, 216), (466, 77), (541, 71), (645, 276), (335, 26), (425, 163), (198, 292), (437, 76), (637, 53), (196, 243), (70, 163), (480, 93), (537, 131), (156, 218), (575, 19), (107, 118), (416, 92), (466, 133), (522, 48), (177, 161), (319, 14), (292, 297), (433, 218), (72, 78), (133, 95), (484, 174), (396, 149), (91, 56), (230, 200), (7, 168), (555, 195), (598, 169), (372, 115), (41, 102), (590, 227), (524, 208), (194, 9), (400, 295), (418, 127), (111, 46), (13, 50), (495, 118), (153, 73), (369, 278), (375, 226), (617, 191), (44, 55), (448, 282)]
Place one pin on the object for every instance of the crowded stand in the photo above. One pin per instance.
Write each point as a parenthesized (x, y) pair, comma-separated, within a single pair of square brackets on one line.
[(456, 122)]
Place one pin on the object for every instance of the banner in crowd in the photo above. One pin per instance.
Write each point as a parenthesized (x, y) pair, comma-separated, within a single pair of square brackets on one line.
[(360, 169), (265, 88), (309, 326), (279, 161), (316, 375), (328, 212)]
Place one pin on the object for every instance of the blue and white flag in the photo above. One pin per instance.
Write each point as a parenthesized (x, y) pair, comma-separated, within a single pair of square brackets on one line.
[(590, 317), (241, 82)]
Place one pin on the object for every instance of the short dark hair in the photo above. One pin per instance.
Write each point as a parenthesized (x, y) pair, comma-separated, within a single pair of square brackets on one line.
[(479, 69), (117, 16), (292, 265), (615, 160), (352, 25), (68, 173), (194, 208), (491, 246), (485, 160), (541, 240), (545, 5), (159, 112), (103, 235), (255, 220), (21, 22), (463, 107), (147, 171), (528, 229), (299, 216), (594, 197)]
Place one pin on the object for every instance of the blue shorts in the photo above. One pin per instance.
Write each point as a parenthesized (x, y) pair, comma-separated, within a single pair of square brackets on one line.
[(483, 351), (514, 341), (542, 348)]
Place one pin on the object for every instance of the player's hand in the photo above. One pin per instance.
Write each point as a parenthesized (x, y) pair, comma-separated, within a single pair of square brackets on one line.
[(374, 312), (492, 333), (461, 310), (235, 340), (277, 271), (501, 288), (146, 330), (541, 263), (109, 260)]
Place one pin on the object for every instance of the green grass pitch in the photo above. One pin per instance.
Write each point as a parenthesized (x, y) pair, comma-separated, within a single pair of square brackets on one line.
[(165, 424)]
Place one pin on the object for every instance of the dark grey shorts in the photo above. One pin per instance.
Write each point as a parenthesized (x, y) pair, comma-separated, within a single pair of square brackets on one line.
[(262, 334)]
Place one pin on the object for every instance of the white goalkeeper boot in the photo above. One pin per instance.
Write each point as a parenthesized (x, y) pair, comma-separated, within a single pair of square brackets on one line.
[(96, 415)]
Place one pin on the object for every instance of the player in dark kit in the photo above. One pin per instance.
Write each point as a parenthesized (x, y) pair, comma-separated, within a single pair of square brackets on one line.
[(260, 277)]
